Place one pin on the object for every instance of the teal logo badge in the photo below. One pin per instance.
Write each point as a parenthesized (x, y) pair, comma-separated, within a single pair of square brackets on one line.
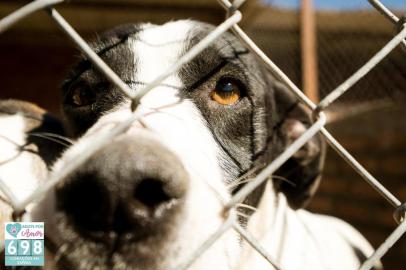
[(13, 228)]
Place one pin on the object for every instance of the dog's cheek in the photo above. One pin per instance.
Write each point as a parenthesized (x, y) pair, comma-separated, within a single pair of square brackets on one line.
[(204, 215), (233, 129)]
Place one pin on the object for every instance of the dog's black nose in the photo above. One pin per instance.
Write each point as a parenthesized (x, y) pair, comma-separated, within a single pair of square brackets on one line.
[(131, 185)]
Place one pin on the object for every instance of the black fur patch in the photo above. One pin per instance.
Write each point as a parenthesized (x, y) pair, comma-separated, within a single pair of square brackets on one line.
[(114, 49)]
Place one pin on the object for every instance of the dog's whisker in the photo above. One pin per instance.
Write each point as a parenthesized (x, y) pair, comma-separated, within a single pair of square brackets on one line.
[(53, 137), (284, 179), (244, 176), (233, 185)]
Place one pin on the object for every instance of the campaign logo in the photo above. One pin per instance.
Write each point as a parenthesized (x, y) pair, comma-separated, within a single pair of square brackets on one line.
[(24, 243)]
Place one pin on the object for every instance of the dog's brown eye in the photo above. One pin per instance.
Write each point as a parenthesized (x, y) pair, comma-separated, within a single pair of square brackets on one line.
[(227, 91), (82, 96)]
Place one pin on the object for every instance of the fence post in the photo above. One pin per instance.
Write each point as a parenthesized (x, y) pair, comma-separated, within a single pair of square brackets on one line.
[(309, 51)]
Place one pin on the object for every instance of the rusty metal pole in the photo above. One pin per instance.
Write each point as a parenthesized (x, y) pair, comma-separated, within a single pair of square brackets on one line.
[(309, 51)]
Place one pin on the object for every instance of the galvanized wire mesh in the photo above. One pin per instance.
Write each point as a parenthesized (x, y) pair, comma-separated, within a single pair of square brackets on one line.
[(233, 17)]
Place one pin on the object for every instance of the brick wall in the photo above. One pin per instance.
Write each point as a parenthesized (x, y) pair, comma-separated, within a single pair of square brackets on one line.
[(378, 141)]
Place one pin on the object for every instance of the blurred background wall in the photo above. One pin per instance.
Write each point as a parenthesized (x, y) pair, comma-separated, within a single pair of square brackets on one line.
[(35, 56)]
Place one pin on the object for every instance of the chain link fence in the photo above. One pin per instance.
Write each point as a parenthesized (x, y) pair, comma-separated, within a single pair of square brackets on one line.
[(233, 17)]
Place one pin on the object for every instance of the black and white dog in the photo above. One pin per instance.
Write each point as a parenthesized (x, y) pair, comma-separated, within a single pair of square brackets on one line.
[(157, 192)]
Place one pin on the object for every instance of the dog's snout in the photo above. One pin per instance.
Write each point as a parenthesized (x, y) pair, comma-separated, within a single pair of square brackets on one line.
[(131, 185)]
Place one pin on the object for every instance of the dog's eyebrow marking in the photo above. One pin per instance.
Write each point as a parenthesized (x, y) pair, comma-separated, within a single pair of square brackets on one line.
[(225, 61), (102, 51), (237, 54), (86, 64), (208, 75)]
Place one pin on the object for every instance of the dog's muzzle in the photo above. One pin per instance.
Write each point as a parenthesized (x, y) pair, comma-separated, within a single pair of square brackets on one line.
[(131, 187)]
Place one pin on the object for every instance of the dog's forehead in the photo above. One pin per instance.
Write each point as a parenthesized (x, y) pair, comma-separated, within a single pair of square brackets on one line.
[(168, 34), (123, 47), (181, 33), (157, 48)]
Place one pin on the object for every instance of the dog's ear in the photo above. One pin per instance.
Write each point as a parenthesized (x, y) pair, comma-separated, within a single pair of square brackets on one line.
[(303, 169), (43, 131)]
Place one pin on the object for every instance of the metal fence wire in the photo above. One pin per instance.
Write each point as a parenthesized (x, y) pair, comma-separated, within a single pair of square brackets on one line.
[(233, 17)]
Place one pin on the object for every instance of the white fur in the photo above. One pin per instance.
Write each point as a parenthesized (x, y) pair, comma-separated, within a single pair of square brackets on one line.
[(24, 171), (301, 240), (158, 48)]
